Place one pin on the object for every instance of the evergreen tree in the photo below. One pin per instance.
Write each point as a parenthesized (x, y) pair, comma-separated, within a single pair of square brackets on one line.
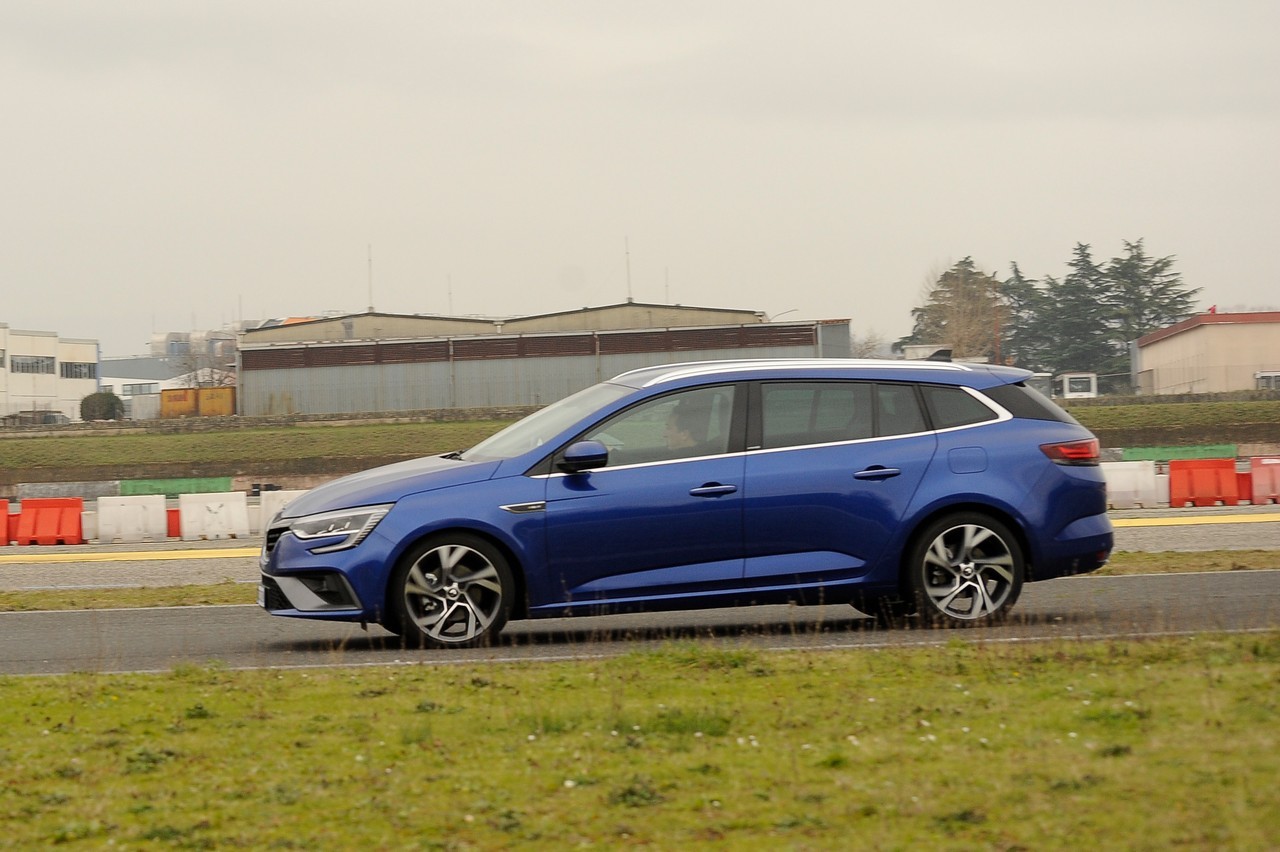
[(1077, 320), (1023, 335), (1083, 322), (1144, 294)]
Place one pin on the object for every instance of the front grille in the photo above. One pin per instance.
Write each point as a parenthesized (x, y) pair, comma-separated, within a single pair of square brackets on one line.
[(273, 535)]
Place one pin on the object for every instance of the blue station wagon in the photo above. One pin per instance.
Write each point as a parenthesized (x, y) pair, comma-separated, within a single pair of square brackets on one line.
[(900, 487)]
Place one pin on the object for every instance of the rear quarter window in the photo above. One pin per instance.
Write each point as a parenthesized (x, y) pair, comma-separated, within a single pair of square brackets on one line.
[(1023, 401), (951, 407)]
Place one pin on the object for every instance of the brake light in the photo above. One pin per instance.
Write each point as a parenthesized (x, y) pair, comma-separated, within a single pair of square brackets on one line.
[(1084, 452)]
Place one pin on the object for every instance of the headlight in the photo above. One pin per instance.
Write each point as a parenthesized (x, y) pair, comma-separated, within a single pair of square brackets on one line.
[(349, 525)]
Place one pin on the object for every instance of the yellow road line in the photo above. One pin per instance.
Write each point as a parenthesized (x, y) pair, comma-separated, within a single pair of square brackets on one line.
[(26, 556), (1176, 521)]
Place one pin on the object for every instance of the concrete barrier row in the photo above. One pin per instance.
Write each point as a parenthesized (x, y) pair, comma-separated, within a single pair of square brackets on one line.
[(228, 515), (1193, 482), (210, 517)]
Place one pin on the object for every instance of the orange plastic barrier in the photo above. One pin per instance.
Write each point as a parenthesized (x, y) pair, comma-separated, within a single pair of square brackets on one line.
[(173, 519), (50, 520), (4, 522), (1203, 482), (1265, 473)]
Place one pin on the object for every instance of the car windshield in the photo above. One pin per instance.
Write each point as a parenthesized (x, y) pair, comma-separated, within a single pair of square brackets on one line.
[(541, 426)]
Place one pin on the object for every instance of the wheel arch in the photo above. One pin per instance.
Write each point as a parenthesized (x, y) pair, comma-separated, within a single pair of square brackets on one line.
[(1009, 519), (520, 602)]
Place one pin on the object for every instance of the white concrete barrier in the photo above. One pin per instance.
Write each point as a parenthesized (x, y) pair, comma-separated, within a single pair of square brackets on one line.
[(213, 516), (132, 519), (1132, 484), (271, 502)]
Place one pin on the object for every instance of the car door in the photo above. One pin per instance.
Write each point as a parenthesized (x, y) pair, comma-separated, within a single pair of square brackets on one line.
[(830, 470), (664, 516)]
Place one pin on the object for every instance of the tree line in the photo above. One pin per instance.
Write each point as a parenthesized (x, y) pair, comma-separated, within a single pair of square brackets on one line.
[(1081, 322)]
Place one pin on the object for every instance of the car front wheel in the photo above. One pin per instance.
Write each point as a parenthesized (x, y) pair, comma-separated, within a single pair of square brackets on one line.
[(451, 591), (966, 569)]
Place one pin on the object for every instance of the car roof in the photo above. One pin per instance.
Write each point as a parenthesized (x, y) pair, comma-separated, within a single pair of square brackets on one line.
[(938, 372)]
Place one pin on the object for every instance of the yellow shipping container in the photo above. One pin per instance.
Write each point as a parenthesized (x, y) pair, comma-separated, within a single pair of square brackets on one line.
[(216, 402), (178, 402)]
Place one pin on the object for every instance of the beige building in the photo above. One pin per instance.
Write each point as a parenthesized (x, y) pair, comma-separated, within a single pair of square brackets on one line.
[(43, 377), (379, 326), (1211, 353)]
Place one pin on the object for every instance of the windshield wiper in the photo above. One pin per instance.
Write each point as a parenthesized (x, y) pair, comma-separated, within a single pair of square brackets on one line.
[(456, 455)]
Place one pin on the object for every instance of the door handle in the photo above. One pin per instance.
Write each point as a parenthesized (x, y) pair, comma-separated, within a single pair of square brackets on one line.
[(713, 489), (877, 472)]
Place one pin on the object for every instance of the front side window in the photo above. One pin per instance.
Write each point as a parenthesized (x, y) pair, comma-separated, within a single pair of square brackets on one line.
[(679, 425), (799, 413)]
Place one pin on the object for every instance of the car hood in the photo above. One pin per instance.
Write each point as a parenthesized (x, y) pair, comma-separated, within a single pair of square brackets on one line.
[(388, 484)]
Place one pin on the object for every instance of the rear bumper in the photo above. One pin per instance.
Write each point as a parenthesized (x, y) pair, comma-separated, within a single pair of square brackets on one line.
[(1083, 546)]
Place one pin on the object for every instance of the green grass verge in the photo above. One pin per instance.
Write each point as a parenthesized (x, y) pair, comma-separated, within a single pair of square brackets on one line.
[(238, 447), (1055, 745), (1200, 415)]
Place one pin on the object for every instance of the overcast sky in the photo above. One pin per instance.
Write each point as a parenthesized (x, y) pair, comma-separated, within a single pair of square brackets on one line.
[(175, 165)]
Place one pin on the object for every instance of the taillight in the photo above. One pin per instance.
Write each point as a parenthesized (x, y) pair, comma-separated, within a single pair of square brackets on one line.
[(1084, 452)]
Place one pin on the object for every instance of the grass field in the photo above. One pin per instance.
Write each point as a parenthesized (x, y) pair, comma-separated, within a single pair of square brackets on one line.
[(236, 447), (261, 447), (1113, 745)]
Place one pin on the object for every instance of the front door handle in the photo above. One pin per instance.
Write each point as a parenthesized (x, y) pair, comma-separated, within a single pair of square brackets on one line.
[(713, 489), (877, 472)]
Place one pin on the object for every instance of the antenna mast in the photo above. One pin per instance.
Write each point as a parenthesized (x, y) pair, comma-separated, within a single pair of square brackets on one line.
[(626, 244), (370, 277)]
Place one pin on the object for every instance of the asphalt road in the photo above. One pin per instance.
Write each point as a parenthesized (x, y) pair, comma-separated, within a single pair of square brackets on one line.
[(244, 636)]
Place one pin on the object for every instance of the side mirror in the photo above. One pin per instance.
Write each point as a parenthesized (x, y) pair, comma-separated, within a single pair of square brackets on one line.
[(584, 455)]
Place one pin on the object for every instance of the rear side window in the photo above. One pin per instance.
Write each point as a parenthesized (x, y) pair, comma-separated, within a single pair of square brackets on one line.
[(899, 410), (951, 407), (1023, 401), (797, 413)]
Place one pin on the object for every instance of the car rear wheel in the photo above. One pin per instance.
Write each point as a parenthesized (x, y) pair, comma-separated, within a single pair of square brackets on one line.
[(452, 591), (967, 568)]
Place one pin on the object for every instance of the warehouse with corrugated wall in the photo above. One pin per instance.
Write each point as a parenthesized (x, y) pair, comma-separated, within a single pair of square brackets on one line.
[(498, 370)]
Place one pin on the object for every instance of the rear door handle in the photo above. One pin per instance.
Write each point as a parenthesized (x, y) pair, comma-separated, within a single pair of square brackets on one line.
[(876, 472), (713, 489)]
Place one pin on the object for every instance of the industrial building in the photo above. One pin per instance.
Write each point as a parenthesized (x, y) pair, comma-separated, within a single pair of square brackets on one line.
[(326, 366), (1211, 353)]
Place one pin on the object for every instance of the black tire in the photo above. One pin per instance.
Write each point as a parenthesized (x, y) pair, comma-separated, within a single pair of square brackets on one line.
[(453, 590), (966, 568)]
